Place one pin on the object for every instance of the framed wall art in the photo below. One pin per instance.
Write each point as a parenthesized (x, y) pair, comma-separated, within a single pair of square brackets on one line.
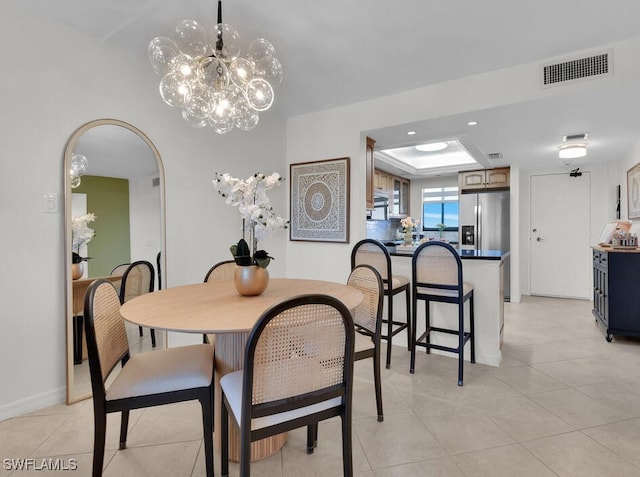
[(320, 201), (633, 191)]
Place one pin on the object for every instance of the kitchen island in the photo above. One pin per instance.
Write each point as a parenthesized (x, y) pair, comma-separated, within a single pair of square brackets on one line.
[(484, 269)]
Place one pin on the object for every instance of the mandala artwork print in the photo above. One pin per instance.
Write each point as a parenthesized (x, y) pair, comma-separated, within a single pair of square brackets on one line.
[(320, 200)]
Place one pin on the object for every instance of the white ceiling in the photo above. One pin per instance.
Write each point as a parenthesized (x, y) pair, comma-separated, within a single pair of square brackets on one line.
[(336, 52)]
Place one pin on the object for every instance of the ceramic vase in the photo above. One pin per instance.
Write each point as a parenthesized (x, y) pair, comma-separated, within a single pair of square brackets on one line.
[(408, 238), (250, 280), (76, 270)]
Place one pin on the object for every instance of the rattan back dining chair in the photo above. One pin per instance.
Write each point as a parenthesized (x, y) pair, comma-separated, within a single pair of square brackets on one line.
[(146, 379), (298, 370), (436, 271), (221, 271), (367, 318), (374, 253), (119, 270), (137, 280)]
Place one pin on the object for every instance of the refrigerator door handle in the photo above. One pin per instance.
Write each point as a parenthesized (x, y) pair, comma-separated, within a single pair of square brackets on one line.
[(479, 227)]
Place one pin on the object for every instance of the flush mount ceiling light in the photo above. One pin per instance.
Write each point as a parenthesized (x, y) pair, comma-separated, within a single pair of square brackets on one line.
[(432, 146), (572, 151), (204, 75)]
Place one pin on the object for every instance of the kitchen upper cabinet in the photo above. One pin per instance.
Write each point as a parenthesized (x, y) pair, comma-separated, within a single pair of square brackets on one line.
[(400, 197), (485, 179), (369, 172), (382, 182), (396, 188)]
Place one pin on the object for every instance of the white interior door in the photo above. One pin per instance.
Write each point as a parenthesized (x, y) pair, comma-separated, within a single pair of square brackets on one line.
[(560, 255)]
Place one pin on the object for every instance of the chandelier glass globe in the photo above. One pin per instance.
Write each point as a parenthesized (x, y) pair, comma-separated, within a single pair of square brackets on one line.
[(203, 74)]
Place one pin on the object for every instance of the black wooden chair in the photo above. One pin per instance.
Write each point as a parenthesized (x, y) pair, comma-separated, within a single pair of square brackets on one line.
[(367, 318), (436, 271), (221, 271), (146, 379), (298, 370), (372, 252), (137, 280)]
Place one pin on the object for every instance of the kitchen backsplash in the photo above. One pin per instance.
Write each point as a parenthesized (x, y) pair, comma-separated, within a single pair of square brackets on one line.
[(385, 231)]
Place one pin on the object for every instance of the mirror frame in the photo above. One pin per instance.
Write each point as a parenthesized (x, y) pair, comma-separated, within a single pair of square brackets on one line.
[(70, 147)]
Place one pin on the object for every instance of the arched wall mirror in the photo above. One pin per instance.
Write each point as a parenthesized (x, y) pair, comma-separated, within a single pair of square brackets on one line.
[(123, 186)]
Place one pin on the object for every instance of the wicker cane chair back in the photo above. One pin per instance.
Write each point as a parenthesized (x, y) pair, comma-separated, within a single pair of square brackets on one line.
[(119, 270), (300, 350), (221, 271), (109, 339), (368, 314), (437, 264), (372, 252), (137, 280)]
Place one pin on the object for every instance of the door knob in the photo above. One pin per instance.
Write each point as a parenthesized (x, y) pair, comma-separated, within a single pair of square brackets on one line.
[(539, 239)]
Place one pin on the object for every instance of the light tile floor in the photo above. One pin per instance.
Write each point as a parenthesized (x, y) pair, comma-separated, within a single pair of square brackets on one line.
[(564, 403)]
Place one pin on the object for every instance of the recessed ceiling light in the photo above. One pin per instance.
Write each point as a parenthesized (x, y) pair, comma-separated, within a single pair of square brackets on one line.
[(431, 146), (472, 123), (410, 133)]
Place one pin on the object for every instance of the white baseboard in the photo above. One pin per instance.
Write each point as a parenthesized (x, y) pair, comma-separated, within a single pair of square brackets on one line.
[(33, 403)]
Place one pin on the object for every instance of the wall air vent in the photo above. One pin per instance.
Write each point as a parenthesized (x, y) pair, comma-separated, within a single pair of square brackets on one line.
[(155, 182), (494, 156), (574, 69)]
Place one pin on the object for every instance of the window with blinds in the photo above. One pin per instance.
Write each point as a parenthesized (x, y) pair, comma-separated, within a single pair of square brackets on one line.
[(440, 209)]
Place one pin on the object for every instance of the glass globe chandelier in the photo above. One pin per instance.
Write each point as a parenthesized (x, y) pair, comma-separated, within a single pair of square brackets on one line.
[(204, 75), (78, 168)]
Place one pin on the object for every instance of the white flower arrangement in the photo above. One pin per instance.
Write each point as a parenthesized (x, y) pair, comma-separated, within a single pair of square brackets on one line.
[(254, 206), (408, 224), (81, 235)]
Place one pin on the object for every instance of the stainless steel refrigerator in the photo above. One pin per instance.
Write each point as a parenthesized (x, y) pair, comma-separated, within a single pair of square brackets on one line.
[(484, 225)]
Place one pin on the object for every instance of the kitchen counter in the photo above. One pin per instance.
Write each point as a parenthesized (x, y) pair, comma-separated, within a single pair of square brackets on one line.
[(484, 269), (407, 251)]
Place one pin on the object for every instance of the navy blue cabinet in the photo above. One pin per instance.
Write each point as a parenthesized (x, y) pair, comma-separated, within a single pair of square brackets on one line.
[(616, 291)]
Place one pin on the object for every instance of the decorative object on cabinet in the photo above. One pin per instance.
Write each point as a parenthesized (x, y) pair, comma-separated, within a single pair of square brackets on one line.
[(613, 230), (369, 166), (484, 179), (204, 75), (633, 191), (320, 201), (616, 302)]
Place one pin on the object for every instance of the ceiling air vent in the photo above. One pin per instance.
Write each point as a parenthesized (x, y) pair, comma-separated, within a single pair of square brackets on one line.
[(577, 69), (155, 182), (494, 156)]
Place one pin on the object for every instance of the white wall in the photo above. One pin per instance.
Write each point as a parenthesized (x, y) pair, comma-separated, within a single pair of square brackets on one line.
[(341, 131), (145, 220), (54, 80), (630, 160)]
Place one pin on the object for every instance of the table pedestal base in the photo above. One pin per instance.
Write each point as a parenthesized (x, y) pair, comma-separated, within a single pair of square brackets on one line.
[(229, 357)]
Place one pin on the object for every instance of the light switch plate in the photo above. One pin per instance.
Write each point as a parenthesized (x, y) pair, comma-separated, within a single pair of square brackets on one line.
[(50, 203)]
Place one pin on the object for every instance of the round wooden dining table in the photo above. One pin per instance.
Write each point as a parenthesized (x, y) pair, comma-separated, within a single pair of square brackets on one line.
[(216, 307)]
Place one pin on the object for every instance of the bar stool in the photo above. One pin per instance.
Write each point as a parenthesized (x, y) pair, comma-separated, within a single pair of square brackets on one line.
[(374, 253), (436, 271)]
